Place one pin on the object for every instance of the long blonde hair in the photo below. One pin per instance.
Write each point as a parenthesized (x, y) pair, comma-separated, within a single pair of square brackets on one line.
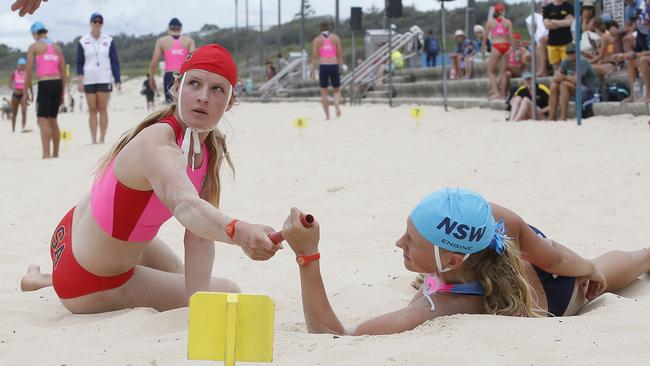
[(507, 291), (215, 144)]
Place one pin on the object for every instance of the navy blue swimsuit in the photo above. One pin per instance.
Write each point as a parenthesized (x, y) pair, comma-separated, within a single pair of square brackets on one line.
[(559, 289)]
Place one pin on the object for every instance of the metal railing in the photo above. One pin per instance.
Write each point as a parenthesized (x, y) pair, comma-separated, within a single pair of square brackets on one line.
[(381, 55), (275, 82)]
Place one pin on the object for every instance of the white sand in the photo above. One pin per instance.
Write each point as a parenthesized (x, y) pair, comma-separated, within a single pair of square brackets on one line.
[(586, 187)]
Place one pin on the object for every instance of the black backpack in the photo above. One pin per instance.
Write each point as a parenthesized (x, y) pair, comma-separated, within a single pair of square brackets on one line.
[(617, 92)]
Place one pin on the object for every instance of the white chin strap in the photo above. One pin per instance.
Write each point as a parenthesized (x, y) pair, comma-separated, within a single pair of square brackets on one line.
[(191, 132), (436, 251)]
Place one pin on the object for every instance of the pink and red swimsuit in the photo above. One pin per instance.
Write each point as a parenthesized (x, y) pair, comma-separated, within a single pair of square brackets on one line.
[(124, 213)]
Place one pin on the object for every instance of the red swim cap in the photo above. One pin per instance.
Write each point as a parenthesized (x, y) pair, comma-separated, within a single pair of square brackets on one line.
[(517, 36), (499, 7), (213, 58)]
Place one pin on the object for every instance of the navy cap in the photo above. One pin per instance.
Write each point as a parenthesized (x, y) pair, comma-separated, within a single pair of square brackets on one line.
[(96, 15), (174, 22)]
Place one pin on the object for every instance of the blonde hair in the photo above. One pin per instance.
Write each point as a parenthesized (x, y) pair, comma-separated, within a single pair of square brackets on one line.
[(507, 291), (215, 144)]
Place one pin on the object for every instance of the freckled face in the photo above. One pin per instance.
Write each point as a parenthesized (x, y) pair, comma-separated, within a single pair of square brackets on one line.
[(418, 253), (204, 98)]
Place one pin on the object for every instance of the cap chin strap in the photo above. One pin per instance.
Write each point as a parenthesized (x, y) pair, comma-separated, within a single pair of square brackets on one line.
[(192, 132), (436, 251)]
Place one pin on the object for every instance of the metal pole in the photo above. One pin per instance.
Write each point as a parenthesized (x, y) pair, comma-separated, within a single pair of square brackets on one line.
[(336, 24), (248, 52), (467, 22), (576, 11), (261, 39), (390, 63), (534, 59), (444, 53), (236, 26), (471, 19), (302, 25), (279, 26), (354, 67)]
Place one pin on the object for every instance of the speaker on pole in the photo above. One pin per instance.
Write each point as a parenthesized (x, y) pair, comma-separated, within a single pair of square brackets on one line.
[(355, 18), (394, 9)]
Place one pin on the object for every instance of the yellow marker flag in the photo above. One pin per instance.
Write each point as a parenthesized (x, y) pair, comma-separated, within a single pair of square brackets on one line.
[(67, 70), (230, 327), (300, 123), (65, 136), (417, 113)]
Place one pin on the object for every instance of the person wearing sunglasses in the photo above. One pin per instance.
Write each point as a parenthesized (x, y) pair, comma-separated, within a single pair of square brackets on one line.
[(97, 67)]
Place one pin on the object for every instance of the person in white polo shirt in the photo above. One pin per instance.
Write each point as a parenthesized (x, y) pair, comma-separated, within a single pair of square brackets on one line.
[(97, 67)]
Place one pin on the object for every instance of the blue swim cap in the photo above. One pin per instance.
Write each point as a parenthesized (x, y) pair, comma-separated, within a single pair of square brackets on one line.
[(21, 61), (606, 18), (37, 26), (458, 220)]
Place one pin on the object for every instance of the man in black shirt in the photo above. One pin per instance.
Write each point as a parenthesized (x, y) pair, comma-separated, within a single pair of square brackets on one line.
[(558, 17)]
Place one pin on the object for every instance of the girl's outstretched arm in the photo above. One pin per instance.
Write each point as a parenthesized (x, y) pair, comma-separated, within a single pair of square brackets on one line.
[(319, 315)]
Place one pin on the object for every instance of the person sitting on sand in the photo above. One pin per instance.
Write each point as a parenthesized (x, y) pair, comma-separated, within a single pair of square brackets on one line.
[(167, 165), (522, 104), (484, 259)]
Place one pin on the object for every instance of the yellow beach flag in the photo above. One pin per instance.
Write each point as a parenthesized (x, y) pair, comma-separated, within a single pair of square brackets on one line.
[(417, 113), (300, 124), (65, 136), (230, 327)]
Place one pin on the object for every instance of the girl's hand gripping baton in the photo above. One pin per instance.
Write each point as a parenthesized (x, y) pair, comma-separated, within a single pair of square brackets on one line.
[(307, 221)]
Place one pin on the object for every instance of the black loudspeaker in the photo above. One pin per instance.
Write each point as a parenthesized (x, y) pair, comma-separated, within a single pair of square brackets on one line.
[(355, 18), (394, 9)]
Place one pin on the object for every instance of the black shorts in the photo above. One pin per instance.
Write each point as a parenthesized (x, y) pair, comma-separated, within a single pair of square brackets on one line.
[(98, 88), (168, 81), (48, 98), (329, 74), (149, 97), (641, 42)]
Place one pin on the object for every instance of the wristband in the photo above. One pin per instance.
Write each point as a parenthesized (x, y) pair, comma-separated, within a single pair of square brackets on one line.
[(230, 228), (304, 260)]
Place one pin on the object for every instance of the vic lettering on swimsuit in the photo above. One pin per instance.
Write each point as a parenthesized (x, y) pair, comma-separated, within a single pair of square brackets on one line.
[(475, 234)]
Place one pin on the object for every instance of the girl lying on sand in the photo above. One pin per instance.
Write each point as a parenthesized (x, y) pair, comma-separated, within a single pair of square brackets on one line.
[(483, 259)]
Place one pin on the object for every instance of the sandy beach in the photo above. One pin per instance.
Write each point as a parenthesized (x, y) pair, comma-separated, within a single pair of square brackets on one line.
[(360, 175)]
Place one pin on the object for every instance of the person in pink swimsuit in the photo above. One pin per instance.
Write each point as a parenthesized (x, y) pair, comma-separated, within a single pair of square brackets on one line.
[(106, 254), (174, 47), (328, 55), (50, 72), (18, 97), (517, 60), (500, 30)]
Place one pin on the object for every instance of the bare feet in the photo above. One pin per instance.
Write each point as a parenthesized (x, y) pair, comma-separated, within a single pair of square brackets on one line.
[(35, 280), (338, 112)]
